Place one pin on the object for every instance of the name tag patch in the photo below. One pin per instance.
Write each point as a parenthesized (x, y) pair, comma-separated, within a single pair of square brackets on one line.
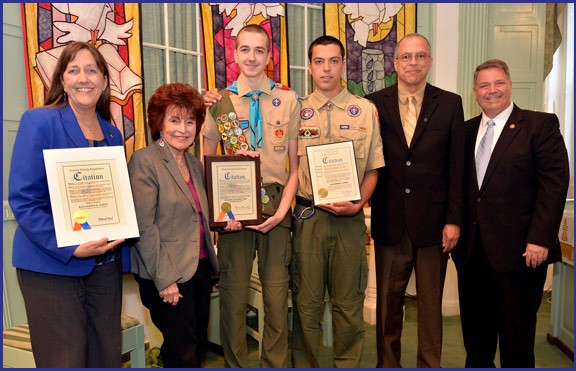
[(348, 127)]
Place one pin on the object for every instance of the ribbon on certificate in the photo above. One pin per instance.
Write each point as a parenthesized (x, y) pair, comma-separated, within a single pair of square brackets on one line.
[(78, 227), (225, 209), (81, 220)]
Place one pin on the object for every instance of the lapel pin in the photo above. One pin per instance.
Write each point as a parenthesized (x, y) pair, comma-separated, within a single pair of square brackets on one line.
[(512, 126)]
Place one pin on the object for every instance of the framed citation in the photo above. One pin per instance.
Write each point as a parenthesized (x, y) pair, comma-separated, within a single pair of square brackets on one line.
[(90, 194), (234, 189), (333, 172)]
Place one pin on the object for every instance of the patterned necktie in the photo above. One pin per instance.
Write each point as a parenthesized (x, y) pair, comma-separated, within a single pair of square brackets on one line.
[(410, 119), (255, 119), (484, 152)]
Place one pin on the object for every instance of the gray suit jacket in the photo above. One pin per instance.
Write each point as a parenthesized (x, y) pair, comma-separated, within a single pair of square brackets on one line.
[(168, 221)]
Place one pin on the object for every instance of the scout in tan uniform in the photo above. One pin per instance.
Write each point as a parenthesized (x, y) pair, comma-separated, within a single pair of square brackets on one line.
[(271, 133), (329, 240)]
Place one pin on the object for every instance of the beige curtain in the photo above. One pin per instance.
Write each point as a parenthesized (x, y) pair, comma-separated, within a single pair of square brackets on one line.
[(553, 37)]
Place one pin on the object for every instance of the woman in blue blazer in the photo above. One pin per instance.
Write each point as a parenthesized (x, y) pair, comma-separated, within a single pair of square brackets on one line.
[(73, 294)]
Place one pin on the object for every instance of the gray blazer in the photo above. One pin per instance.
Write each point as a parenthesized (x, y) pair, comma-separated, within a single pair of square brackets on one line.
[(169, 245)]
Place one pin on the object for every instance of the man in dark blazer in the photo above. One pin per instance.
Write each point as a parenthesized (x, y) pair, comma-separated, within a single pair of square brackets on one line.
[(513, 214), (417, 207)]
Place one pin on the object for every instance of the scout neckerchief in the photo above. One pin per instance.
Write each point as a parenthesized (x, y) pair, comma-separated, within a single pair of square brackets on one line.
[(255, 114)]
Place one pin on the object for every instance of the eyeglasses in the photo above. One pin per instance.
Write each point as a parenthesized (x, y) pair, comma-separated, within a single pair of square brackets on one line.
[(407, 57)]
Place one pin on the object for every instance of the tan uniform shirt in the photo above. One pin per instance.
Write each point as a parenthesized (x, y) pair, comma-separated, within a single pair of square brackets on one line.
[(279, 108), (349, 117)]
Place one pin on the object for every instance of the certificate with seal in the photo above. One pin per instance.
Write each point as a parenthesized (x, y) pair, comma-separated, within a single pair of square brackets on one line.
[(90, 194), (233, 184), (333, 172)]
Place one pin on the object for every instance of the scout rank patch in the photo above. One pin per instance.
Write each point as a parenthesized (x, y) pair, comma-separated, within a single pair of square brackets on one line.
[(231, 133)]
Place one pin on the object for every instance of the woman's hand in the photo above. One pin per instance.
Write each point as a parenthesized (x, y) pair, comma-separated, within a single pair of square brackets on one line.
[(171, 294), (233, 225), (98, 247)]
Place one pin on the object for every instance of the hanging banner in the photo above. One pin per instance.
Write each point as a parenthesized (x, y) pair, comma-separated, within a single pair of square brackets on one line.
[(222, 22), (114, 28), (369, 32)]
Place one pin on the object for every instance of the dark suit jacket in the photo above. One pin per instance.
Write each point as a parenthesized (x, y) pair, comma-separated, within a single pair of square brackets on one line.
[(523, 193), (34, 243), (168, 219), (420, 188)]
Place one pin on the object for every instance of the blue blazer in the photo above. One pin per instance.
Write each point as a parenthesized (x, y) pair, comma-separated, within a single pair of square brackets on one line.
[(34, 246)]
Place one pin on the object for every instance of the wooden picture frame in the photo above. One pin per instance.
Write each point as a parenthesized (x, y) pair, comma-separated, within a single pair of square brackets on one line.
[(233, 186)]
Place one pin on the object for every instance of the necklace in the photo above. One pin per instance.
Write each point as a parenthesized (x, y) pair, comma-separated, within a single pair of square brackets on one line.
[(183, 168), (182, 165), (89, 131)]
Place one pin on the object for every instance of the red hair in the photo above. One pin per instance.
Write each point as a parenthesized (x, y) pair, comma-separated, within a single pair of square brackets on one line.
[(179, 95)]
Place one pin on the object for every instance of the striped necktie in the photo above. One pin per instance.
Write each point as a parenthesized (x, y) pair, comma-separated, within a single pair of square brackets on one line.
[(484, 152), (410, 119)]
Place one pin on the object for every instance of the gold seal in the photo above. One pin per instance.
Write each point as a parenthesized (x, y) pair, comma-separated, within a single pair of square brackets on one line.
[(226, 207), (323, 192), (80, 217)]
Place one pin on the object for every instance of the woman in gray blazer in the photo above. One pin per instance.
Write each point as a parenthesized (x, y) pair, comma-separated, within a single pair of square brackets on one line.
[(174, 257)]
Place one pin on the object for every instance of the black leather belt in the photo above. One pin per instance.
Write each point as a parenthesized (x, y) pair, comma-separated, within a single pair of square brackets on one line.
[(304, 201)]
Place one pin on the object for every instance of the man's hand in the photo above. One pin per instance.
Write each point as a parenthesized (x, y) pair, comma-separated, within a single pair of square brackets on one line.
[(535, 255), (267, 226), (211, 97), (450, 236), (345, 208), (246, 152)]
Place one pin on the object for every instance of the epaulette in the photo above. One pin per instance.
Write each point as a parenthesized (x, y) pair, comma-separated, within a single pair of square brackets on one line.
[(356, 95), (282, 86)]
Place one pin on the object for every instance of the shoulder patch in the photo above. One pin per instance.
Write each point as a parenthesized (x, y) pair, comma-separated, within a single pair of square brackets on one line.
[(306, 113)]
